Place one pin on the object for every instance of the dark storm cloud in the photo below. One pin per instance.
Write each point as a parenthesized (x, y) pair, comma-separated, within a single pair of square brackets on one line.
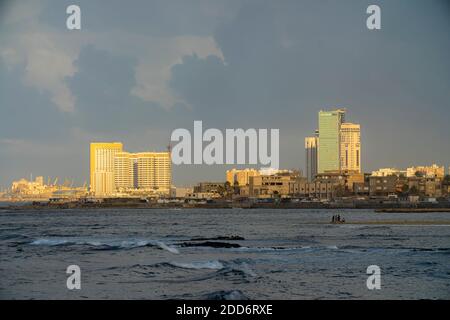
[(286, 60)]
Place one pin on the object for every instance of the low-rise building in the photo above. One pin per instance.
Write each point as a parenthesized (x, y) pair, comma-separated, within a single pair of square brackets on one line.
[(382, 186), (210, 187), (425, 186), (270, 185), (426, 171), (181, 192), (241, 177), (384, 172)]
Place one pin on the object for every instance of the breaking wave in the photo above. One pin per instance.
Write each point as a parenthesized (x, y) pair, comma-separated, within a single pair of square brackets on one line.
[(235, 267), (213, 264), (104, 244)]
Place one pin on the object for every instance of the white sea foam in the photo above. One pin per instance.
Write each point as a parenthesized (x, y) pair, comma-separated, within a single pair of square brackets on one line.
[(107, 243), (49, 242), (213, 264), (164, 246)]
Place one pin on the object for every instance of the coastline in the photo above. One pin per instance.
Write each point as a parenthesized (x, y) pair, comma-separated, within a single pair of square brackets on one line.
[(377, 207)]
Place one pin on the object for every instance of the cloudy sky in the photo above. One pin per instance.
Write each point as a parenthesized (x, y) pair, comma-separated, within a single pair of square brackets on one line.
[(137, 70)]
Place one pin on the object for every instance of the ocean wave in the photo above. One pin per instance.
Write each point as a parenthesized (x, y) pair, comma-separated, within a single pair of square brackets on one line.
[(101, 244), (235, 237), (287, 249), (13, 237), (241, 268), (355, 249), (222, 268), (212, 244), (212, 264)]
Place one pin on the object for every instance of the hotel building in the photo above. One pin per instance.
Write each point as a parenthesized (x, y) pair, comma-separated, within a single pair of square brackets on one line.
[(153, 171), (350, 147), (102, 167), (124, 171), (114, 171)]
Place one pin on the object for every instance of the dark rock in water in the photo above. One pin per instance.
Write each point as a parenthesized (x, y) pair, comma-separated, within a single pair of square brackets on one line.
[(226, 295), (212, 244), (219, 238)]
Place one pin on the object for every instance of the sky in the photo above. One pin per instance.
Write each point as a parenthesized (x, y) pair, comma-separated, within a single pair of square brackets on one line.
[(137, 70)]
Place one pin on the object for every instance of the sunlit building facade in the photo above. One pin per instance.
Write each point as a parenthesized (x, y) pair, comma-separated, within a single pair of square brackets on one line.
[(241, 177), (124, 171), (350, 146), (311, 152), (102, 156), (427, 171), (153, 171)]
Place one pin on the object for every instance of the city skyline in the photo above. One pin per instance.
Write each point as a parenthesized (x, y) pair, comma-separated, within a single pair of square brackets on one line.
[(136, 77), (114, 171)]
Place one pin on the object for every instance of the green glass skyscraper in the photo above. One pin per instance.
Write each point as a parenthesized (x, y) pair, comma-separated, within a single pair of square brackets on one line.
[(329, 139)]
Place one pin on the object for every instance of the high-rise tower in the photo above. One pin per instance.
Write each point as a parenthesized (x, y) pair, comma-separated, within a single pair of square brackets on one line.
[(350, 147), (102, 167), (311, 152), (329, 140)]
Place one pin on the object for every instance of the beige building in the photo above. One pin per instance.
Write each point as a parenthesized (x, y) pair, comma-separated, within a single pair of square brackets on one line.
[(311, 152), (426, 186), (427, 171), (350, 145), (241, 177), (384, 172), (268, 186), (102, 167)]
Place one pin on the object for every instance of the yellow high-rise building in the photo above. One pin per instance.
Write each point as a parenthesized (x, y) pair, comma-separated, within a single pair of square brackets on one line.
[(102, 167), (350, 145), (154, 171), (124, 171)]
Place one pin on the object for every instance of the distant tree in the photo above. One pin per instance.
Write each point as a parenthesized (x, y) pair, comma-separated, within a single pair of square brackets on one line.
[(418, 174), (404, 189), (413, 191), (340, 191), (236, 187)]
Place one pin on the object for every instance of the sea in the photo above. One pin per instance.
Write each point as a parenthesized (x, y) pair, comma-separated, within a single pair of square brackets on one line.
[(224, 254)]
